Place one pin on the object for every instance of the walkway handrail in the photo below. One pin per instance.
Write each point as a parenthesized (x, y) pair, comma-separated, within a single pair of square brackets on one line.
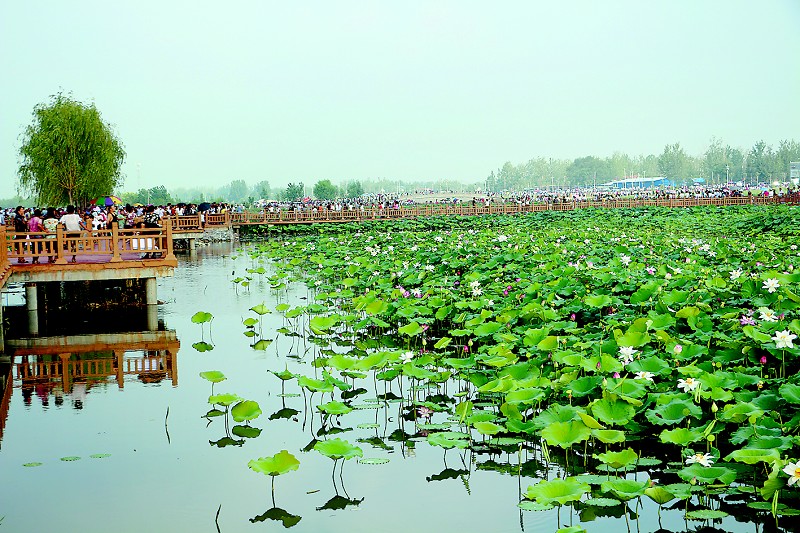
[(62, 246)]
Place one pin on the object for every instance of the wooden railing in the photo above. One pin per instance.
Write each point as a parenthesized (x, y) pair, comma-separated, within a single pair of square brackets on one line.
[(354, 215), (62, 247)]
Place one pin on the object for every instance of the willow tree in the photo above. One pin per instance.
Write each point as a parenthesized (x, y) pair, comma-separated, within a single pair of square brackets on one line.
[(68, 154)]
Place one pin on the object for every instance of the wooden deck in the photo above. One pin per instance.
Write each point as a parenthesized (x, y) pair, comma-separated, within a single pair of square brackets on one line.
[(184, 225), (86, 256)]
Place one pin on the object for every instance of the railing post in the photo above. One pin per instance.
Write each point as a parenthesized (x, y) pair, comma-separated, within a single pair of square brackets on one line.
[(170, 252), (115, 258), (60, 258)]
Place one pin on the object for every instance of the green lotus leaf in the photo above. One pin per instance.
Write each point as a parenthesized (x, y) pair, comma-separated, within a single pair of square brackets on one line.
[(245, 411), (624, 489), (442, 343), (706, 514), (613, 412), (279, 464), (528, 505), (250, 322), (560, 491), (565, 434), (201, 317), (609, 436), (525, 396), (673, 412), (321, 324), (619, 459), (412, 329), (314, 385), (488, 428), (658, 494), (449, 439), (335, 408), (598, 300), (790, 392), (488, 328), (681, 436), (214, 376), (262, 344), (223, 399), (707, 474), (338, 449), (751, 457)]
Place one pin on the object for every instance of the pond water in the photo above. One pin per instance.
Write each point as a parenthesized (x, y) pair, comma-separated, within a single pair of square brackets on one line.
[(144, 457)]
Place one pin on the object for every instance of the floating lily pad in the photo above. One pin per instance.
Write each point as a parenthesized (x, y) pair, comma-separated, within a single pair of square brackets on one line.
[(71, 458), (30, 465), (100, 455), (373, 461)]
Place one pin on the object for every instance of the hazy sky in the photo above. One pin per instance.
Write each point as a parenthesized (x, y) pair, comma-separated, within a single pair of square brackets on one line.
[(201, 93)]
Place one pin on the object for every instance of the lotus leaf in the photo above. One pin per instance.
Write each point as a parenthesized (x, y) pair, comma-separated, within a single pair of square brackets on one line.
[(338, 449), (214, 376), (624, 489), (613, 412), (565, 434), (560, 491), (245, 411), (335, 408), (279, 464)]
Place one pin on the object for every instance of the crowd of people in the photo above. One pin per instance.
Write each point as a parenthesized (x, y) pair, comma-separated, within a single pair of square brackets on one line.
[(45, 222)]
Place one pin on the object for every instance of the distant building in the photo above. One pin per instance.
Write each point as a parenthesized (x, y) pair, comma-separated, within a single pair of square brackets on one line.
[(640, 183)]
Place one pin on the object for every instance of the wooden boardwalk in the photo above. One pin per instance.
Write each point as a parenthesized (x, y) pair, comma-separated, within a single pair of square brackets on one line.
[(192, 224), (120, 254)]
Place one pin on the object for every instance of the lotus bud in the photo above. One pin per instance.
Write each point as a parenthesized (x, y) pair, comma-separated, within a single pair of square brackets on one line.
[(714, 407)]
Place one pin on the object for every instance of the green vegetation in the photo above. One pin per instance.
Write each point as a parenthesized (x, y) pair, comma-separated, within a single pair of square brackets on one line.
[(600, 342), (69, 155)]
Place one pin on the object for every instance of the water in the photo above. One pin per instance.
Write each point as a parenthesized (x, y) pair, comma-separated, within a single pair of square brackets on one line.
[(162, 473)]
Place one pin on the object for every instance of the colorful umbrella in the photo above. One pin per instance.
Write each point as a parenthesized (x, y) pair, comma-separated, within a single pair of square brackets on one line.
[(107, 200)]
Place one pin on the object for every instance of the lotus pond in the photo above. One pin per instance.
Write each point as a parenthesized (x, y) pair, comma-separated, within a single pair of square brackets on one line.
[(594, 370)]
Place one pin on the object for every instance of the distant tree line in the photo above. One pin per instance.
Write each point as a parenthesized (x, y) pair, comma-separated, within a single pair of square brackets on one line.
[(719, 164)]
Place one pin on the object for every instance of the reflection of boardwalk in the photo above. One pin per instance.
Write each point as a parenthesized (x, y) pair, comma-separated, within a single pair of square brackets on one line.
[(70, 365)]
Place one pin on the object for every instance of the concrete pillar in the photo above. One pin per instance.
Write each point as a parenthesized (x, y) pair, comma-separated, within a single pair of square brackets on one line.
[(151, 291), (33, 323), (31, 300), (2, 331), (192, 245), (152, 317)]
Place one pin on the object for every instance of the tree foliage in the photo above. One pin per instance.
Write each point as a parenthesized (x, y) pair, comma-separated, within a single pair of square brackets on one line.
[(294, 191), (68, 154), (325, 190), (354, 189)]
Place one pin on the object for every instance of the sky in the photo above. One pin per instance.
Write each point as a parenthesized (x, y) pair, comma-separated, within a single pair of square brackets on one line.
[(202, 93)]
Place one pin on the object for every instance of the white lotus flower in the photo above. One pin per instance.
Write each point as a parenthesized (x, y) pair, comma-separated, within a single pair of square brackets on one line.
[(736, 274), (625, 260), (783, 339), (406, 357), (644, 375), (688, 384), (771, 285), (767, 315), (793, 469), (704, 459), (626, 354)]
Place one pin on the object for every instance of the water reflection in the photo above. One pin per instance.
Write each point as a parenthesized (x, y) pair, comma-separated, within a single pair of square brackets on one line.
[(61, 370)]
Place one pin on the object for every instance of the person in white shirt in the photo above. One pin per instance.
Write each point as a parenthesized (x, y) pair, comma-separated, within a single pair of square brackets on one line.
[(73, 225)]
